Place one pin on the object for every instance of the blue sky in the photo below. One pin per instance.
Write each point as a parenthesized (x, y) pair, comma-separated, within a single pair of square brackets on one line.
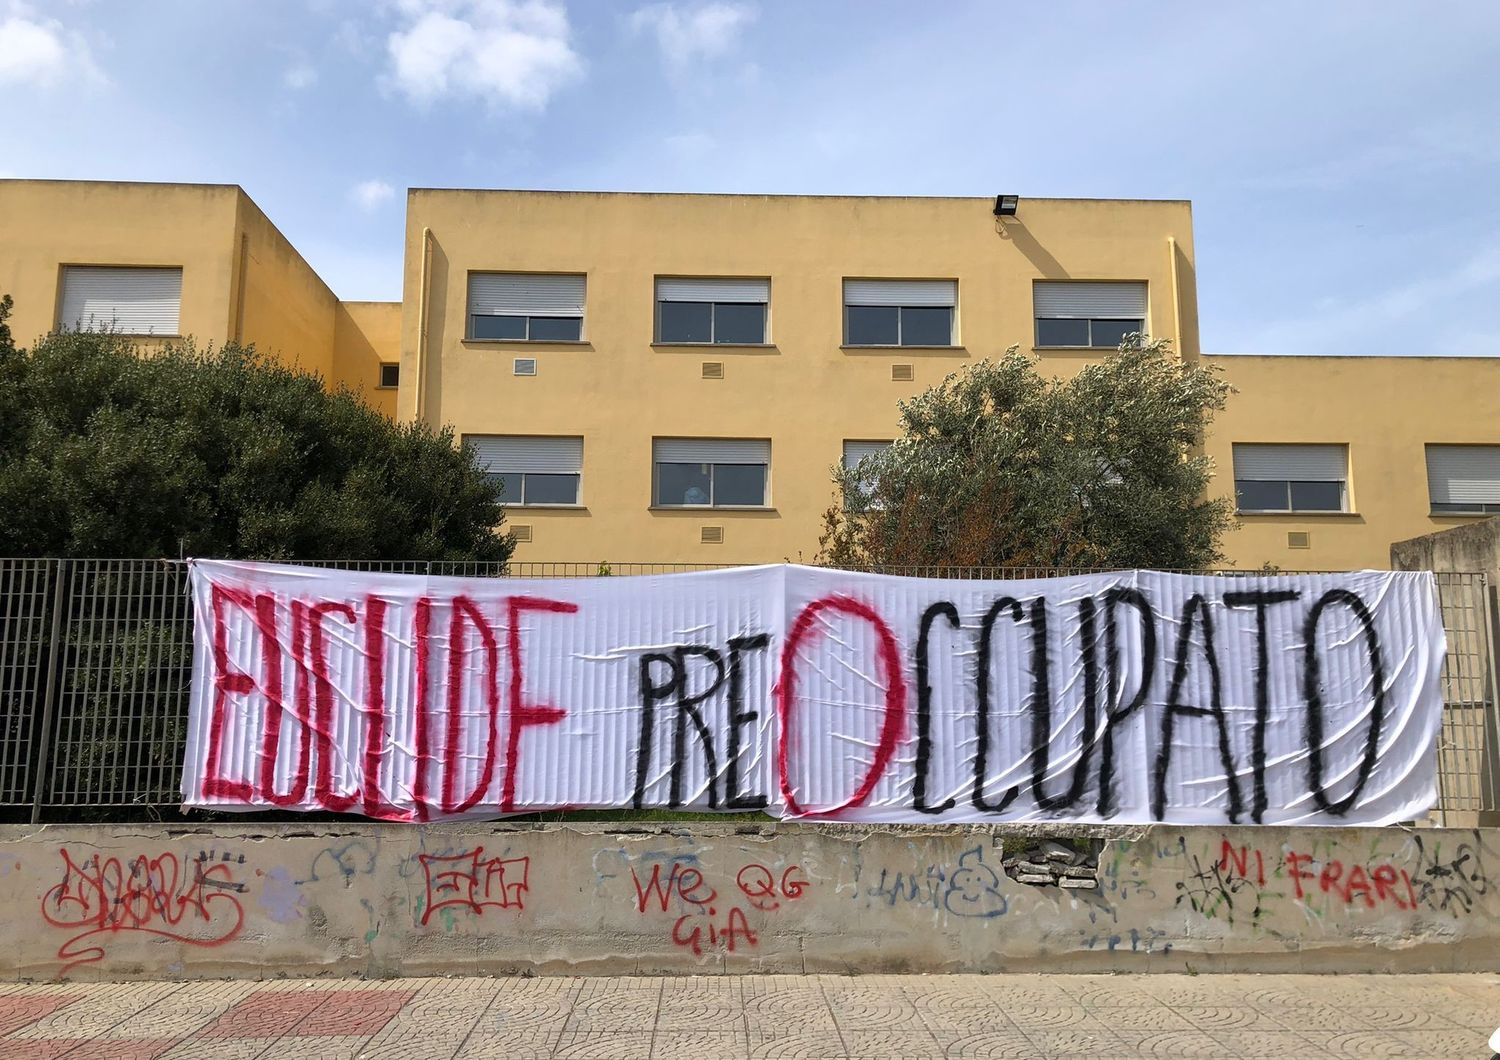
[(1343, 158)]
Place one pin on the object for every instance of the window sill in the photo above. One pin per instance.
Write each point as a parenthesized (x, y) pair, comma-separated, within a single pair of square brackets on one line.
[(1462, 515), (1074, 349), (526, 342), (727, 347), (898, 349), (712, 509), (544, 507), (1295, 514), (392, 389), (126, 334)]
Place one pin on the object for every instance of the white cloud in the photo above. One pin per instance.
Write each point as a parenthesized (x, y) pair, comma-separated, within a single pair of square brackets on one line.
[(506, 52), (300, 76), (688, 34), (370, 195), (1366, 324), (40, 51)]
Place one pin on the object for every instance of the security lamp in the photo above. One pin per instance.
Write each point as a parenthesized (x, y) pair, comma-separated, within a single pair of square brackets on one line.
[(1005, 205)]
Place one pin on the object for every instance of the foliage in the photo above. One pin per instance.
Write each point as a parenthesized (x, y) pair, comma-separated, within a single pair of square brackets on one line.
[(999, 466), (109, 451), (7, 345)]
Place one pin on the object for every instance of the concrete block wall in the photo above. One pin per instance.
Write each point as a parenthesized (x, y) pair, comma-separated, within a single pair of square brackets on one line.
[(257, 901)]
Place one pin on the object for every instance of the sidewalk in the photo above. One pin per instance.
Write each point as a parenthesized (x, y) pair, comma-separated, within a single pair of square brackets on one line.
[(910, 1017)]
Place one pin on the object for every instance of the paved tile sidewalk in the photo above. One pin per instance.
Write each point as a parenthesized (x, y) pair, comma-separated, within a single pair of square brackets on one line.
[(910, 1017)]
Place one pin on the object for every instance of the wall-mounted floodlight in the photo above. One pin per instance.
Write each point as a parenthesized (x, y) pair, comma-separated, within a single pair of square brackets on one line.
[(1005, 205)]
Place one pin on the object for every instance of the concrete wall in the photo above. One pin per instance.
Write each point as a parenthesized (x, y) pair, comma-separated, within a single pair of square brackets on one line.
[(803, 390), (1475, 547), (308, 899)]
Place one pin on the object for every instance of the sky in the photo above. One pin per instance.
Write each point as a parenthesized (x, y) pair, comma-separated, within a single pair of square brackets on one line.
[(1343, 159)]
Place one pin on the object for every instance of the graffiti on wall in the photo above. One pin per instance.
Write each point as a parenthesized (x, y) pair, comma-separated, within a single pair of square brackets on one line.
[(1242, 882), (194, 901), (971, 888), (756, 898), (712, 915), (472, 881)]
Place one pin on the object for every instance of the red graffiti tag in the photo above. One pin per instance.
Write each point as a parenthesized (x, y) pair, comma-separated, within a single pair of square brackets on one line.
[(196, 904), (474, 882), (700, 926)]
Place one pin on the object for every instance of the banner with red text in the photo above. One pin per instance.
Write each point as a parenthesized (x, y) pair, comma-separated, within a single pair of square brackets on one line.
[(1127, 697)]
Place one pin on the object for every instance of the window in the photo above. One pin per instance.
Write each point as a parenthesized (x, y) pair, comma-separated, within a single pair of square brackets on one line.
[(723, 312), (1088, 315), (129, 301), (532, 470), (711, 473), (390, 376), (525, 307), (899, 312), (1464, 479), (854, 452), (1291, 478)]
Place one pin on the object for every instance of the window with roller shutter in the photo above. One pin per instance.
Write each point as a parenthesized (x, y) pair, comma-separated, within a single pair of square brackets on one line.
[(854, 453), (525, 307), (534, 471), (711, 311), (127, 300), (899, 312), (1087, 314), (1291, 478), (710, 472), (1464, 479)]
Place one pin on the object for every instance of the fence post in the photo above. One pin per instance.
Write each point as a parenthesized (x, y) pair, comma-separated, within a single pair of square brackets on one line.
[(60, 596), (1489, 692)]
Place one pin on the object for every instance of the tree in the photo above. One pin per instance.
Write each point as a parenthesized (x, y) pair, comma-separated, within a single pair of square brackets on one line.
[(999, 466), (108, 452), (7, 346)]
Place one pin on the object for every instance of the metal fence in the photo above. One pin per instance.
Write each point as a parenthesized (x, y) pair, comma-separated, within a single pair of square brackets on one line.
[(95, 659)]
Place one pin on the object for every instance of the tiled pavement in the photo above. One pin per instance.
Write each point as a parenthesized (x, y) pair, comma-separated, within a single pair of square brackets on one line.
[(1176, 1016)]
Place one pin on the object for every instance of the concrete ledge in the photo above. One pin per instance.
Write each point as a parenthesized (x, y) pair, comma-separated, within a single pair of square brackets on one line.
[(262, 901)]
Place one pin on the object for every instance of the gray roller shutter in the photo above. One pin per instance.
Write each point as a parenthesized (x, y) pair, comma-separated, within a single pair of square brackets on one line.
[(525, 294), (1291, 463), (901, 292), (131, 301), (854, 452), (711, 451), (1090, 300), (713, 290), (1463, 474), (547, 455)]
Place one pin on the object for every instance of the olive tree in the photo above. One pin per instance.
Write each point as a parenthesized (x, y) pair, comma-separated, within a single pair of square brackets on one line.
[(999, 465)]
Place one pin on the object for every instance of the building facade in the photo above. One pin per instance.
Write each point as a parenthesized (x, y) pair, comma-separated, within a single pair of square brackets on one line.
[(159, 262), (672, 378)]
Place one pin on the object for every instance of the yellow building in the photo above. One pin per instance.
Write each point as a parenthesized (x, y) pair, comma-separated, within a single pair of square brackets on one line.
[(162, 261), (674, 375), (1367, 450), (669, 378)]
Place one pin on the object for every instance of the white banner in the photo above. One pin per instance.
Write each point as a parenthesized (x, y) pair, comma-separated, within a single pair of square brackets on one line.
[(1129, 697)]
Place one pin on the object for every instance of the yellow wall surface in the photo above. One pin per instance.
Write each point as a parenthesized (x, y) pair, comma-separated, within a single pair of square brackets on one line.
[(46, 224), (365, 336), (283, 306), (802, 391), (1386, 410), (241, 278)]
